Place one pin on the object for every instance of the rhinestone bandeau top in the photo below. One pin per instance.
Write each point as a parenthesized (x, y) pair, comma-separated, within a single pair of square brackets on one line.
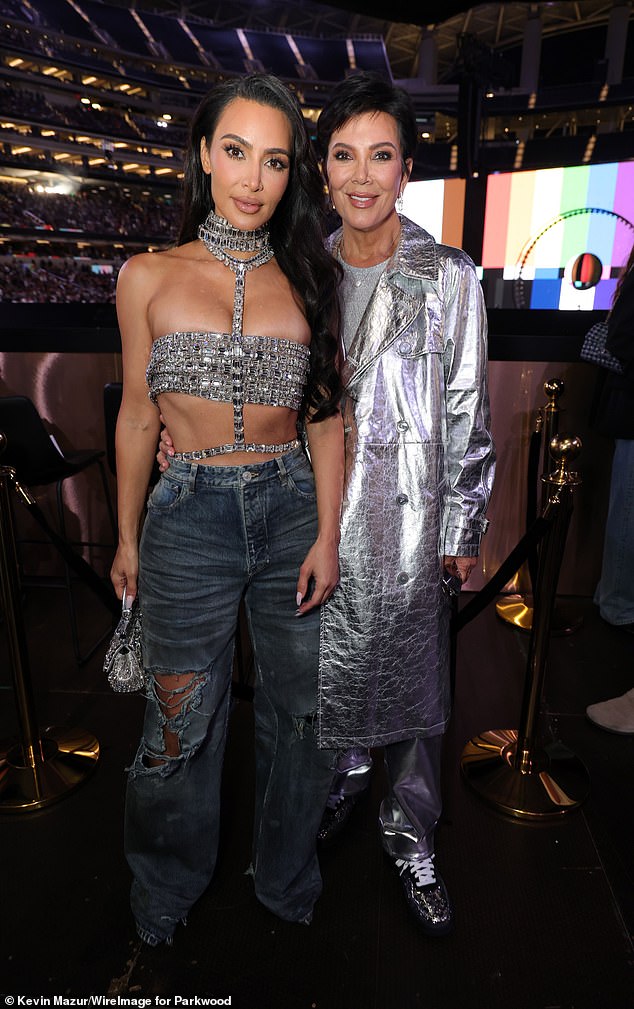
[(274, 370)]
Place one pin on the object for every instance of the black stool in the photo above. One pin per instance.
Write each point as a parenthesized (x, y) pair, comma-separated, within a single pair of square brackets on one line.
[(38, 462)]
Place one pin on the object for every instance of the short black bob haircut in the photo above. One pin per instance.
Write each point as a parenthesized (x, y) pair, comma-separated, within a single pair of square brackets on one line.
[(367, 92)]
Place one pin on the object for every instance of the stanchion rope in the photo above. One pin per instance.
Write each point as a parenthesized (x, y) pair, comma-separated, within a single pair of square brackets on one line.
[(506, 570)]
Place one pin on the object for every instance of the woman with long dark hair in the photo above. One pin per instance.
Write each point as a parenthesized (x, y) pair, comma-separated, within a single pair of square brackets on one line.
[(230, 336)]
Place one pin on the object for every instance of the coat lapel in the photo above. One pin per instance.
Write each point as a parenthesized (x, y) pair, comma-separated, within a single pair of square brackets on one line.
[(398, 298), (389, 311)]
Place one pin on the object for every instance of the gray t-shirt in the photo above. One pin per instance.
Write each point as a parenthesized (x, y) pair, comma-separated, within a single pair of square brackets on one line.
[(356, 289)]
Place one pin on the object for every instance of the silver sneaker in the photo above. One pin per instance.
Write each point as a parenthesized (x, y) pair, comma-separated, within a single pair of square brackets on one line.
[(426, 894)]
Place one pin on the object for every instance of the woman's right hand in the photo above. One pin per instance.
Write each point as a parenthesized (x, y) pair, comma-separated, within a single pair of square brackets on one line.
[(166, 449), (125, 571)]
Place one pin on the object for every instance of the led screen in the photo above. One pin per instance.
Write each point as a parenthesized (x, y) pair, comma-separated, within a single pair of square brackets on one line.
[(437, 205), (557, 237)]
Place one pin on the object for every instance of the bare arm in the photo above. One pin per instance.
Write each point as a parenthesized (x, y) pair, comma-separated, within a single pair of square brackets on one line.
[(325, 440), (137, 423)]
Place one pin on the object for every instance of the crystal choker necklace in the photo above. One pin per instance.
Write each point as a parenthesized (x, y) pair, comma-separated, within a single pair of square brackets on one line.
[(218, 236)]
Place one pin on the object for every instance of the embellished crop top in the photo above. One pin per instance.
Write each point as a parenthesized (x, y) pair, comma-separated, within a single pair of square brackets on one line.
[(230, 368)]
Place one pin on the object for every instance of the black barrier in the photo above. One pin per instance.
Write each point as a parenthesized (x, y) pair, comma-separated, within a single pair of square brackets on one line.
[(74, 560), (37, 768), (532, 334), (512, 769), (506, 570)]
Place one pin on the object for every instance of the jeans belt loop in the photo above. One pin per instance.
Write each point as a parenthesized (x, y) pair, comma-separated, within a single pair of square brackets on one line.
[(191, 482)]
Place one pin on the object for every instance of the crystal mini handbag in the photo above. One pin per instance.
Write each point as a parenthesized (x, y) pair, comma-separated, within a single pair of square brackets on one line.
[(124, 659), (594, 349)]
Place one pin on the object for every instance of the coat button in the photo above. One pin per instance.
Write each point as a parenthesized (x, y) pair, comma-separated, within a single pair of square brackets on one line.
[(402, 577), (402, 499), (402, 426), (404, 347)]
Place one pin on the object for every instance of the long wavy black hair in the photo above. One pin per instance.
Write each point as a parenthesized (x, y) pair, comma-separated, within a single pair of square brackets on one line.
[(296, 228)]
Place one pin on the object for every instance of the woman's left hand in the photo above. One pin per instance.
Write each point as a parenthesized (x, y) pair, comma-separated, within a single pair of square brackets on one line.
[(461, 566), (166, 448), (319, 575)]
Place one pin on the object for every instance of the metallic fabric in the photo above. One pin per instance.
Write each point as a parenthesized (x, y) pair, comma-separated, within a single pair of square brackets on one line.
[(419, 471), (411, 808), (352, 773)]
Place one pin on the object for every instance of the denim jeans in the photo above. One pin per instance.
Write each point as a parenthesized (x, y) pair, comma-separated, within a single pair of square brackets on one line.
[(615, 592), (410, 811), (214, 535)]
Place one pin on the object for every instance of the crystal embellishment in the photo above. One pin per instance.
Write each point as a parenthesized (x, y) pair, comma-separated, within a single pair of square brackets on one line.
[(201, 364), (217, 234), (232, 367)]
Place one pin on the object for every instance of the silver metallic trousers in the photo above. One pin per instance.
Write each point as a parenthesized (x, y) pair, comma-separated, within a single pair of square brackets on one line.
[(410, 811)]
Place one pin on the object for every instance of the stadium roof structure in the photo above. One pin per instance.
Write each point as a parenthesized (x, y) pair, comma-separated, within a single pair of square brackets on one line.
[(499, 26)]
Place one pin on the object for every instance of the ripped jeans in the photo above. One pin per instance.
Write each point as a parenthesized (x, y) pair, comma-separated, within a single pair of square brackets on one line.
[(213, 535)]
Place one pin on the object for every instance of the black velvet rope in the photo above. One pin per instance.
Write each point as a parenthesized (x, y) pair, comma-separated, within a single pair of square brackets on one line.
[(505, 571)]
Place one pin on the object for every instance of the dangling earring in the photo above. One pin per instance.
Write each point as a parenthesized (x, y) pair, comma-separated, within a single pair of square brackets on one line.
[(399, 204)]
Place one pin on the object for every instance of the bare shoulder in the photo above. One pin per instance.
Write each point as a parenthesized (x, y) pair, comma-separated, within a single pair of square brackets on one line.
[(146, 265)]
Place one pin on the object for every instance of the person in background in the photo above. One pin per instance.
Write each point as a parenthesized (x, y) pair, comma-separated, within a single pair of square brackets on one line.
[(230, 336), (613, 416)]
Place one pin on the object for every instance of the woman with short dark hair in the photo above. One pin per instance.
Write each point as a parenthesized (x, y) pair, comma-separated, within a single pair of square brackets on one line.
[(419, 470)]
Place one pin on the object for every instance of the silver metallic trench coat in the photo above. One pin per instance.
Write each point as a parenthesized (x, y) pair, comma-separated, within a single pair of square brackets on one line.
[(419, 471)]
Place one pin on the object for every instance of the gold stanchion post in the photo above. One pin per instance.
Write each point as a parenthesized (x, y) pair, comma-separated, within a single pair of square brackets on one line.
[(554, 388), (518, 609), (34, 771), (509, 768)]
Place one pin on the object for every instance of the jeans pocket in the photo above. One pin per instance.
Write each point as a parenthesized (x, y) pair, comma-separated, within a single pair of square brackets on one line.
[(302, 481), (167, 493)]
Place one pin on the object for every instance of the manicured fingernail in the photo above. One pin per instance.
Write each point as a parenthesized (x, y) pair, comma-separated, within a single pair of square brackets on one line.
[(298, 599)]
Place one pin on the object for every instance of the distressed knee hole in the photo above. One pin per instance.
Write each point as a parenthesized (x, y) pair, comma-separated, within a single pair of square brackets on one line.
[(303, 722), (177, 695)]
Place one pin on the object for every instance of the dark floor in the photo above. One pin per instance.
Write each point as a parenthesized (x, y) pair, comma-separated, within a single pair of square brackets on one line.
[(545, 911)]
